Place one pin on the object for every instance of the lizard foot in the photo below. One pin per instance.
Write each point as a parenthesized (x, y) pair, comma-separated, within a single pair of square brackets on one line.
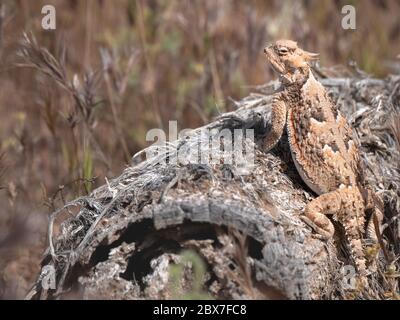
[(321, 233), (316, 212)]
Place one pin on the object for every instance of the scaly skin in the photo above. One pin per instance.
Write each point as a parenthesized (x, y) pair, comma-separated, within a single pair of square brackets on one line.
[(322, 148)]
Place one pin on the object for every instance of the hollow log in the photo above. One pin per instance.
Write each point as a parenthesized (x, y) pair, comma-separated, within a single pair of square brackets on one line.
[(147, 233)]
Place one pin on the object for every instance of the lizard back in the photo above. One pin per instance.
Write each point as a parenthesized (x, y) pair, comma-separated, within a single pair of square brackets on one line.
[(320, 139)]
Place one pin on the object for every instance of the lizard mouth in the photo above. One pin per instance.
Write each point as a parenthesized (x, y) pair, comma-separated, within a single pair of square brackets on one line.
[(276, 65)]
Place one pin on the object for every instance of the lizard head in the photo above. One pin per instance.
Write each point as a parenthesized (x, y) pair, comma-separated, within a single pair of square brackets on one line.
[(286, 57)]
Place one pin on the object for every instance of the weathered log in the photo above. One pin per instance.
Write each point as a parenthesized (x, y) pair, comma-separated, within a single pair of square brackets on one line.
[(128, 234)]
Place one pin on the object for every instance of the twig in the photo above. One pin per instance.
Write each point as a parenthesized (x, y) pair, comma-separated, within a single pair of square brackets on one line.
[(118, 126)]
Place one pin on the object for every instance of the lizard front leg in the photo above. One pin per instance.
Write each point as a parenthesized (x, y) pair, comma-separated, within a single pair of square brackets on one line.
[(278, 121)]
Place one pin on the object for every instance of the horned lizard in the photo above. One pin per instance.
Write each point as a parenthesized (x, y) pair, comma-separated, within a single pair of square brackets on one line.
[(322, 148)]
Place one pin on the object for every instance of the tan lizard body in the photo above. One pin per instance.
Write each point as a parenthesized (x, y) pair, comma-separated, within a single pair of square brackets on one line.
[(322, 148)]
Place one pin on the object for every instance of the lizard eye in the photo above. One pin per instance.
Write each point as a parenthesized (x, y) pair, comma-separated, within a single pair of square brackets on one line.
[(283, 50)]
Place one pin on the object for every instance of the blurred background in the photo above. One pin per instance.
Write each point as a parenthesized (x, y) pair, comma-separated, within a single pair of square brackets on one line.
[(140, 64)]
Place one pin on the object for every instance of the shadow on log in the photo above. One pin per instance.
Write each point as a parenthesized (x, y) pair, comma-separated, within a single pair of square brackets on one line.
[(240, 229)]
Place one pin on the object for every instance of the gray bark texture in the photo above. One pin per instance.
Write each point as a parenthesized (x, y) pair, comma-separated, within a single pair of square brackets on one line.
[(166, 230)]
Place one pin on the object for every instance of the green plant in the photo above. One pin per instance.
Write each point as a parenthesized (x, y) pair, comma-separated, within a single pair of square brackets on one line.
[(177, 272)]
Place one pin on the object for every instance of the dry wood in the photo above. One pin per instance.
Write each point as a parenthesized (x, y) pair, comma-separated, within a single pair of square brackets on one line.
[(247, 228)]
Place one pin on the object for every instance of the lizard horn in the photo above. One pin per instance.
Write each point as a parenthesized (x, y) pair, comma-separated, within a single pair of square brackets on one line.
[(311, 55)]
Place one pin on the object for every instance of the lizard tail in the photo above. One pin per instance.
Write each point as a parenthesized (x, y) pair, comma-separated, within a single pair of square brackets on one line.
[(353, 226), (353, 222), (353, 232)]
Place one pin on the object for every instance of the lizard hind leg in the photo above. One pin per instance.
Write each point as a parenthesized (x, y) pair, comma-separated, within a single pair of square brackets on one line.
[(345, 204), (315, 213), (374, 203)]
